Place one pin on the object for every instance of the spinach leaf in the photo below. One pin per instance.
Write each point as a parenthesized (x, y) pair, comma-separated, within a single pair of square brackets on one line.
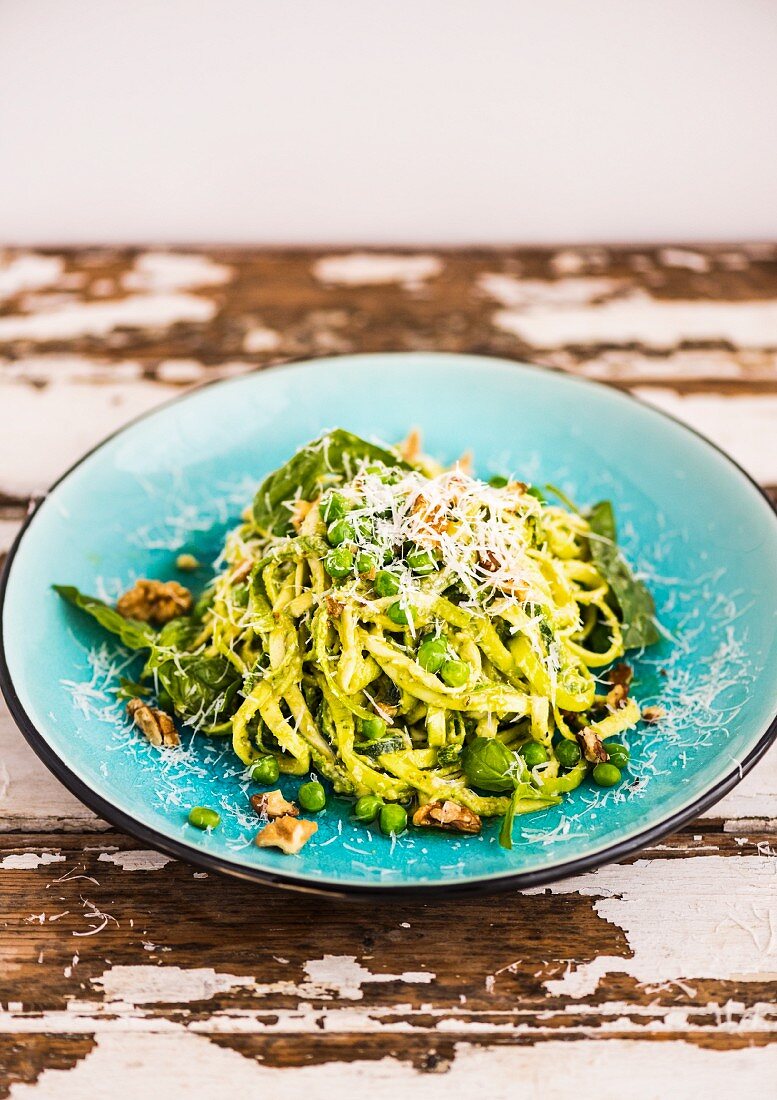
[(129, 689), (489, 764), (197, 685), (134, 635), (334, 455), (633, 596)]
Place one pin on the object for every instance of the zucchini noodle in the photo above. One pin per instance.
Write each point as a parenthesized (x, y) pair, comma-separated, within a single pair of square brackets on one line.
[(500, 580), (413, 633)]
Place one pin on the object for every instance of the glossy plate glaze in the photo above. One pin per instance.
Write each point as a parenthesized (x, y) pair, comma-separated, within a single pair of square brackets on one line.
[(690, 520)]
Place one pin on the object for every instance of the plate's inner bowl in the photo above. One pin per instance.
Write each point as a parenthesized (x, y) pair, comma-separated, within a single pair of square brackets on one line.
[(690, 522)]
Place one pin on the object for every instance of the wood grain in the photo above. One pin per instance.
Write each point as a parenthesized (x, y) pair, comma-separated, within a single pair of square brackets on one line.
[(125, 973)]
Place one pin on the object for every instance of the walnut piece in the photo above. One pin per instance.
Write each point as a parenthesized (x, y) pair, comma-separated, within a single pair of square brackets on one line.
[(621, 674), (490, 561), (273, 804), (158, 726), (593, 749), (334, 608), (617, 697), (299, 511), (155, 602), (241, 571), (287, 833), (448, 815), (653, 714), (410, 447)]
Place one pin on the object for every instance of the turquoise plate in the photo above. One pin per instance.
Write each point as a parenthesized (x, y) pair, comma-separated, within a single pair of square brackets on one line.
[(691, 521)]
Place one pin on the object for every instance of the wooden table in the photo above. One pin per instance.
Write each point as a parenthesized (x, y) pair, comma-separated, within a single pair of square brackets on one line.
[(125, 974)]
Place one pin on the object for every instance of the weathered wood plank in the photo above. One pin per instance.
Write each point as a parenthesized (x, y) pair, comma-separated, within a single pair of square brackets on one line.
[(129, 973), (110, 942), (180, 1064)]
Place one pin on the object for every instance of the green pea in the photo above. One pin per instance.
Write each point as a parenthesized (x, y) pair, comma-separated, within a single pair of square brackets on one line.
[(340, 531), (339, 562), (399, 614), (497, 482), (203, 818), (432, 653), (312, 796), (366, 562), (265, 771), (367, 808), (421, 562), (567, 753), (386, 584), (455, 673), (393, 819), (618, 754), (606, 775), (372, 729), (533, 753), (333, 507)]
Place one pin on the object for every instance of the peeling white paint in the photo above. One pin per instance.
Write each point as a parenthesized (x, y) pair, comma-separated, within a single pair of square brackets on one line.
[(68, 322), (180, 371), (338, 977), (180, 1065), (260, 339), (28, 271), (135, 985), (637, 317), (683, 257), (512, 291), (157, 271), (45, 369), (134, 860), (376, 269), (29, 861), (31, 799), (32, 455), (693, 364), (744, 426), (344, 976), (725, 906)]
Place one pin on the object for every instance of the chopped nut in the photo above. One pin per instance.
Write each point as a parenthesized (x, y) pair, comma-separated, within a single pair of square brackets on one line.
[(653, 714), (464, 465), (158, 726), (299, 510), (241, 571), (490, 561), (155, 601), (593, 749), (617, 697), (273, 804), (287, 833), (410, 447), (621, 674), (334, 607), (187, 563), (448, 815)]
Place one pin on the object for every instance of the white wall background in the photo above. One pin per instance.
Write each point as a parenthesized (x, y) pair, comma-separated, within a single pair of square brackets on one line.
[(450, 121)]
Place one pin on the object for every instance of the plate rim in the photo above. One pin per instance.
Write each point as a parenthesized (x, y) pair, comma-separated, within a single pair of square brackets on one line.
[(511, 880)]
